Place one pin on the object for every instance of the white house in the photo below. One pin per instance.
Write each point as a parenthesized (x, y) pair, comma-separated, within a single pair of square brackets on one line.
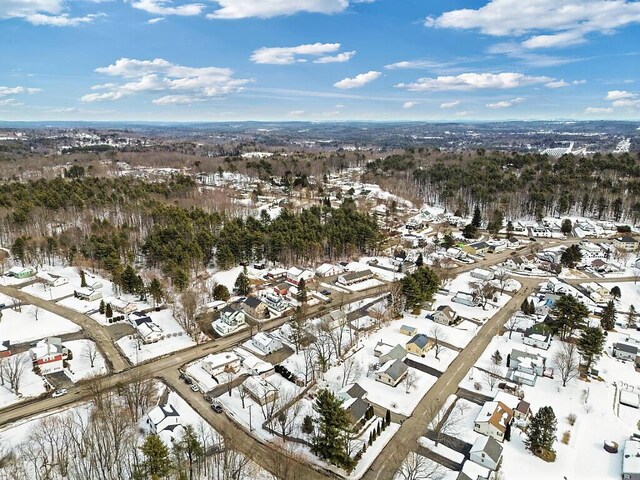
[(275, 302), (260, 390), (493, 420), (122, 306), (624, 351), (534, 338), (217, 363), (486, 451), (351, 392), (147, 329), (230, 321), (355, 277), (51, 280), (444, 315), (266, 343), (482, 274), (88, 294), (526, 362), (328, 270), (626, 243), (294, 275), (464, 298), (163, 418), (48, 355), (334, 319), (392, 372)]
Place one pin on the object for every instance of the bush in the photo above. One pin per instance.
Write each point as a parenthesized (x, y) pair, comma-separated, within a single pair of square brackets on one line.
[(566, 436), (571, 418), (477, 386), (307, 425)]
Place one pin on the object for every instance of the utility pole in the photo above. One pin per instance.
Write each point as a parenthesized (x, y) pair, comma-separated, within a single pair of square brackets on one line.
[(250, 426)]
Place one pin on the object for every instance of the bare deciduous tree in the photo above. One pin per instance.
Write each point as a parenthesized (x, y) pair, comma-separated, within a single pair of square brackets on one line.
[(90, 352), (492, 375), (444, 421), (512, 324), (13, 370), (351, 370), (567, 361), (409, 380), (438, 335), (417, 467)]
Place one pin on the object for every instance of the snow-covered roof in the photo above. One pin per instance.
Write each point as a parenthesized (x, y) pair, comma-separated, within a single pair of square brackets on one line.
[(631, 457)]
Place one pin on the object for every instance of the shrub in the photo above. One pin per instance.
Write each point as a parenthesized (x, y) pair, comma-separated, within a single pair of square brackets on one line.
[(477, 386), (571, 418), (566, 436)]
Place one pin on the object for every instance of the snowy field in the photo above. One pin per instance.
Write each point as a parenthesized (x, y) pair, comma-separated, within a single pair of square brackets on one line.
[(80, 366), (174, 339), (33, 323), (31, 385)]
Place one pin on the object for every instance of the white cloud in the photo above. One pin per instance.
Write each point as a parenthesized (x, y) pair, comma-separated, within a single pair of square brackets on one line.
[(474, 81), (546, 23), (4, 91), (619, 95), (296, 113), (415, 64), (598, 110), (153, 21), (181, 85), (452, 104), (233, 9), (339, 58), (43, 12), (290, 55), (505, 103), (627, 103), (167, 7), (358, 81), (562, 83), (409, 104), (463, 113), (10, 102)]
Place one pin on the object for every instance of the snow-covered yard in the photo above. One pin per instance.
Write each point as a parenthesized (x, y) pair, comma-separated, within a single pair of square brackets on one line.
[(32, 323), (80, 365), (31, 385)]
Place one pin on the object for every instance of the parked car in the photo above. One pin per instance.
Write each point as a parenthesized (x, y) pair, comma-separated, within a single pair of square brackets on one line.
[(188, 380), (326, 292), (208, 398), (58, 393), (216, 407), (195, 388)]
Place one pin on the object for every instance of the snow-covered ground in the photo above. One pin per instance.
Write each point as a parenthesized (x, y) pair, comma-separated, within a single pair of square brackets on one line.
[(31, 385), (174, 339), (80, 364), (32, 323)]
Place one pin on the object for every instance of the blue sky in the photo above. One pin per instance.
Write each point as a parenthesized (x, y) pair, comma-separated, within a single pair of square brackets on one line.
[(323, 60)]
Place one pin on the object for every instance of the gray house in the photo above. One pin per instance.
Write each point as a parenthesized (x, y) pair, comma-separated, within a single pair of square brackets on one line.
[(624, 351), (392, 372), (486, 451)]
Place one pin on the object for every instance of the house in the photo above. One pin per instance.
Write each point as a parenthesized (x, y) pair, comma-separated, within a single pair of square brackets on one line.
[(334, 319), (513, 243), (147, 330), (351, 391), (355, 277), (277, 274), (392, 372), (482, 274), (626, 243), (255, 308), (163, 418), (486, 451), (536, 337), (631, 460), (419, 345), (266, 343), (229, 322), (476, 248), (275, 301), (294, 275), (519, 228), (5, 349), (254, 365), (49, 355), (624, 351), (51, 280), (473, 471), (281, 289), (497, 247), (493, 419), (356, 410), (260, 390), (444, 315), (526, 362), (88, 294), (20, 272), (521, 409), (396, 353), (541, 231), (464, 298), (122, 306), (328, 270), (217, 363), (407, 330)]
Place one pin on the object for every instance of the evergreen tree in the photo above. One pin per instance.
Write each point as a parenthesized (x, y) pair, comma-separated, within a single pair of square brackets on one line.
[(419, 261), (157, 463), (101, 307), (330, 441), (525, 306), (302, 291), (608, 319), (419, 287), (83, 280), (507, 432), (566, 226), (18, 249), (470, 231), (156, 291), (632, 316), (541, 433), (388, 417), (615, 292), (181, 279), (568, 314), (495, 224), (108, 311), (477, 217), (591, 344), (496, 358), (189, 450), (221, 292), (242, 285), (307, 424), (571, 256)]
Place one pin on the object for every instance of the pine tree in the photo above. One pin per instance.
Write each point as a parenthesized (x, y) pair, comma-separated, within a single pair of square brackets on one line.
[(221, 292), (302, 291), (101, 307), (157, 463), (496, 358), (108, 311), (590, 345), (477, 217), (242, 285), (566, 226), (419, 261), (608, 319), (615, 292), (83, 280), (525, 306), (632, 316), (189, 449), (541, 433), (568, 314), (388, 417), (330, 441), (156, 291)]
